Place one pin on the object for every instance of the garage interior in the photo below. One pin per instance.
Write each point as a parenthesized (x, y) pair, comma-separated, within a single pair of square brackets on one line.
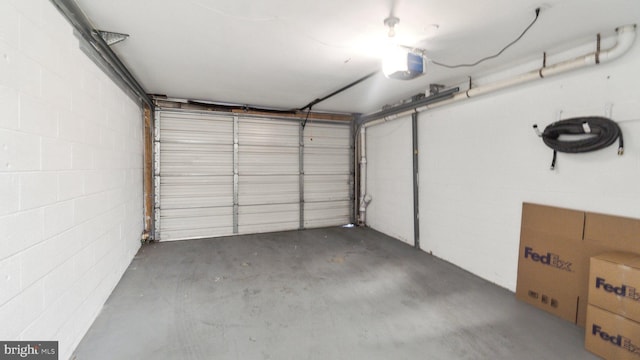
[(268, 180)]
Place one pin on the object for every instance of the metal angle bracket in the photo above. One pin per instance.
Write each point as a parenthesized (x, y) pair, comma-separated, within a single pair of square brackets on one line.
[(112, 38)]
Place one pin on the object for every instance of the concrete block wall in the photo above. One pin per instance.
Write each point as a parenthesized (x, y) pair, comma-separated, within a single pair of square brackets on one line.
[(71, 158)]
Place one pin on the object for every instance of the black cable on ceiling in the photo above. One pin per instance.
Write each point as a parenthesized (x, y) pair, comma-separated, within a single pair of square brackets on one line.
[(494, 55), (603, 132), (319, 100), (230, 107)]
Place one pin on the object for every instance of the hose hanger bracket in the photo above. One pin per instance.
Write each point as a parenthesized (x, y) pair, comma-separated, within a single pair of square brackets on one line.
[(581, 134), (544, 65)]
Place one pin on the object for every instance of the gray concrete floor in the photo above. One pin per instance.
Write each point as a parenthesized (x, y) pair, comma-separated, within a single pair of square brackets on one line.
[(332, 293)]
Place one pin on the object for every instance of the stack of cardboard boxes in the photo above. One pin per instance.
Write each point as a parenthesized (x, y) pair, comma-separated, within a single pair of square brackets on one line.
[(613, 313), (556, 246)]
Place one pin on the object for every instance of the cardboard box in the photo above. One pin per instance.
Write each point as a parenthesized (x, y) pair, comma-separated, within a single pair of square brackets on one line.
[(620, 233), (549, 265), (555, 249), (611, 336), (614, 283), (608, 233)]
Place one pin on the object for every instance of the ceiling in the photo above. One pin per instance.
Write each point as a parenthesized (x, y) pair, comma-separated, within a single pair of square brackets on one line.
[(286, 53)]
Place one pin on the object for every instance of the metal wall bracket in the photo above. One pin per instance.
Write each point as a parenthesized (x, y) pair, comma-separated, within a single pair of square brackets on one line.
[(112, 38), (100, 50)]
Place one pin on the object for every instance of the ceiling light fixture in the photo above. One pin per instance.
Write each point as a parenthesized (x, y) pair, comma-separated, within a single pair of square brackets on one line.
[(401, 62), (391, 23)]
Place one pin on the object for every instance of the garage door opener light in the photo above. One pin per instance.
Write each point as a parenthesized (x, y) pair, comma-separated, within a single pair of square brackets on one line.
[(401, 62)]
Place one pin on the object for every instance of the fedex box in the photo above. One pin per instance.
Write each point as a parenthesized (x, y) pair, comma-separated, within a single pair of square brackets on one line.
[(550, 266), (556, 246), (611, 336), (614, 283)]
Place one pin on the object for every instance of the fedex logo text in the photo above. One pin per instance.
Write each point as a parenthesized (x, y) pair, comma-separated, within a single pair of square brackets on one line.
[(548, 259), (622, 290), (616, 340)]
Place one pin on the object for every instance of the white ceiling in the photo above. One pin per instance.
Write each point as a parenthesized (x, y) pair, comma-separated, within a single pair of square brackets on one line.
[(286, 53)]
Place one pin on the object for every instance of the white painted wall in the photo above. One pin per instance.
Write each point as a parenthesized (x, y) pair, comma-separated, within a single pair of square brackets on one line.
[(70, 179), (480, 159), (390, 179)]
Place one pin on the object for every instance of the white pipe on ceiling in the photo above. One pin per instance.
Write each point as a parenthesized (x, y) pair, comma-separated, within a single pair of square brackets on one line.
[(625, 38)]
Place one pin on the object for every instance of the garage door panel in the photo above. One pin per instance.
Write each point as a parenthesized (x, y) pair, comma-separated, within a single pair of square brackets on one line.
[(196, 202), (268, 189), (179, 224), (191, 183), (326, 187), (331, 213), (215, 165), (183, 192), (177, 169), (195, 159), (266, 228), (327, 135), (326, 161), (191, 234), (261, 160), (265, 218), (197, 148), (196, 128), (268, 132), (197, 218), (184, 137)]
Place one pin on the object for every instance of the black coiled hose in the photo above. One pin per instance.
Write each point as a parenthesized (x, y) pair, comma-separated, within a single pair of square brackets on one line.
[(603, 132)]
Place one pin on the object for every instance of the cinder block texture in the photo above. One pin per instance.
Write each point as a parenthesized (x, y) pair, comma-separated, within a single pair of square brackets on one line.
[(70, 221)]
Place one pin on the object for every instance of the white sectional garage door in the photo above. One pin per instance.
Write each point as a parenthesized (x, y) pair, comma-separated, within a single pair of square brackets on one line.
[(219, 174)]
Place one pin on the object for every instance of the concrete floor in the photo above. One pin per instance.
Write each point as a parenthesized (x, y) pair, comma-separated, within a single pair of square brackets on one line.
[(330, 293)]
